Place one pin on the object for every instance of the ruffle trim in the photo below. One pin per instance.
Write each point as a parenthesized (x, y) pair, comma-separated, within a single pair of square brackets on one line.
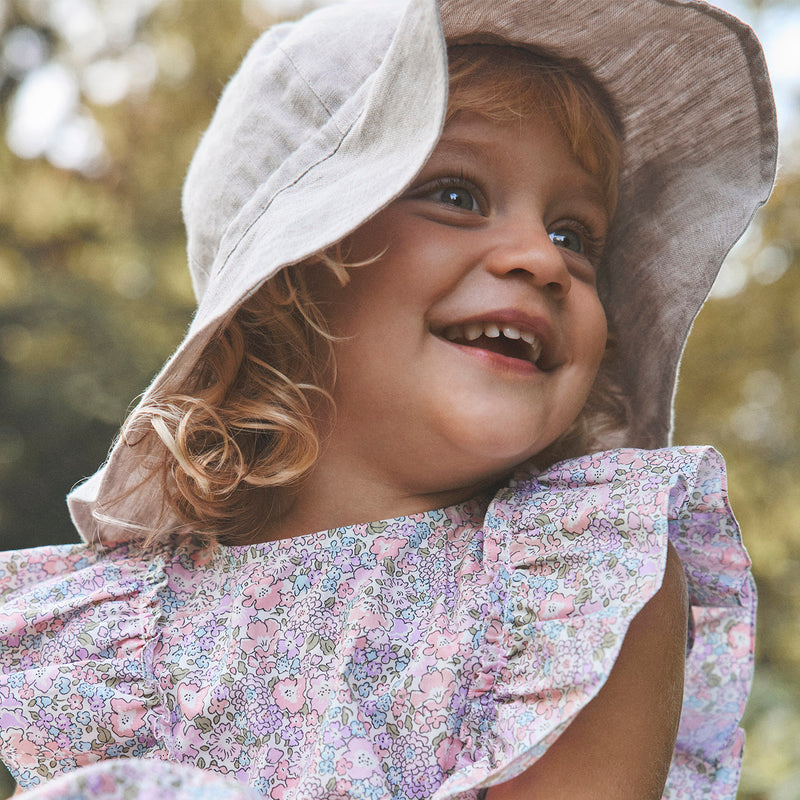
[(563, 599), (46, 651)]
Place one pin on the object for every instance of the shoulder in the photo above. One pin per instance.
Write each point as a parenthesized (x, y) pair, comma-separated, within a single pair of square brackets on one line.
[(639, 498), (79, 630), (694, 468), (20, 569), (54, 598)]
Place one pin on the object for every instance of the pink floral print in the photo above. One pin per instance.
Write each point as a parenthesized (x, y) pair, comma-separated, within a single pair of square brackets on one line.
[(427, 656)]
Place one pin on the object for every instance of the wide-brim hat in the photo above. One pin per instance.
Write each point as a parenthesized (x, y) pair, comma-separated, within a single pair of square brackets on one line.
[(330, 118)]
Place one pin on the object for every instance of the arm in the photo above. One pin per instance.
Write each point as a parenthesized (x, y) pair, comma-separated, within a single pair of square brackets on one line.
[(621, 743)]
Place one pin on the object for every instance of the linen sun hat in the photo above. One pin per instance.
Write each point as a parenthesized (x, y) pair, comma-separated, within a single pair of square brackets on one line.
[(330, 118)]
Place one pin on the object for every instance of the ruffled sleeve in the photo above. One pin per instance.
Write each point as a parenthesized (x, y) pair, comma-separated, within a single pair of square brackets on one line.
[(574, 553), (77, 629)]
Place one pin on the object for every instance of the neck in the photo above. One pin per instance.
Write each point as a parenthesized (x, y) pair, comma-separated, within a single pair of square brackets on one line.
[(333, 497)]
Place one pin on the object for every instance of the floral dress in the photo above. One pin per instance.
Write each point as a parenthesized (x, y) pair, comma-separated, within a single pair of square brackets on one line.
[(426, 656)]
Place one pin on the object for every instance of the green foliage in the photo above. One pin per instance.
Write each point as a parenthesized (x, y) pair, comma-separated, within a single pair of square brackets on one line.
[(739, 388), (94, 292)]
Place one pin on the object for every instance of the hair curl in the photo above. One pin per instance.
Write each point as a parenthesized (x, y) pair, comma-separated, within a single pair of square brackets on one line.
[(248, 421)]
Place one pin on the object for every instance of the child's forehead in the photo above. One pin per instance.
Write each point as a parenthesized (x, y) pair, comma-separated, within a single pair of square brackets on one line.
[(474, 136)]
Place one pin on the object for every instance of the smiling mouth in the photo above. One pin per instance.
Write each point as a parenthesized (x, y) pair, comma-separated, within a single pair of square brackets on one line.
[(501, 338)]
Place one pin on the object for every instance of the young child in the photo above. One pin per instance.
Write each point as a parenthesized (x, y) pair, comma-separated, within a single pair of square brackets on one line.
[(442, 251)]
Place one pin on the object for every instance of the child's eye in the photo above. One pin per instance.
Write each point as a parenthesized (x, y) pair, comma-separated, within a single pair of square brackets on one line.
[(457, 196), (578, 239), (569, 240), (454, 192)]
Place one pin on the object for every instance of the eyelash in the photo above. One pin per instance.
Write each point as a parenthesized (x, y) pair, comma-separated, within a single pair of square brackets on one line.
[(460, 181)]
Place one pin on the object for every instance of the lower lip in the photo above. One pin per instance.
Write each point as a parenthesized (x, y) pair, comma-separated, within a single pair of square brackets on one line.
[(496, 361)]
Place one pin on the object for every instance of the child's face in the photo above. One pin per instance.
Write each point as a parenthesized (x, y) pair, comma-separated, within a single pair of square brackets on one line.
[(500, 232)]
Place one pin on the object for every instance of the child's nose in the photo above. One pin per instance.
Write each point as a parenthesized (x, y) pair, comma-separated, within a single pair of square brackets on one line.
[(531, 253)]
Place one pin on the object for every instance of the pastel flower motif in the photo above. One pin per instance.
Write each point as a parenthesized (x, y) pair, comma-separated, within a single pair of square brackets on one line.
[(37, 736), (365, 619), (441, 644), (18, 750), (740, 639), (262, 596), (85, 758), (447, 752), (577, 520), (290, 643), (43, 701), (12, 626), (556, 606), (83, 718), (43, 682), (289, 693), (387, 546), (566, 667), (611, 581), (225, 746), (131, 648), (605, 534), (127, 716), (191, 698), (344, 591), (734, 557), (435, 689), (361, 758), (261, 636), (218, 706), (320, 694), (182, 575)]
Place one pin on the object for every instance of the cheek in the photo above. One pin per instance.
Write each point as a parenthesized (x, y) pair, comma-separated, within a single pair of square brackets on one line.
[(600, 336), (592, 328)]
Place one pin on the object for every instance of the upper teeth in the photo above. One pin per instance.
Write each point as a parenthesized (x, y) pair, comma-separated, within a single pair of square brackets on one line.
[(474, 330)]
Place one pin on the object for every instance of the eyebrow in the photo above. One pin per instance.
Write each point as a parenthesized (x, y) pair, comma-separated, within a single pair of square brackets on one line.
[(463, 147)]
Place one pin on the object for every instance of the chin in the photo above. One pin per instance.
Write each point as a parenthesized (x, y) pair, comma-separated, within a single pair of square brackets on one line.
[(508, 443)]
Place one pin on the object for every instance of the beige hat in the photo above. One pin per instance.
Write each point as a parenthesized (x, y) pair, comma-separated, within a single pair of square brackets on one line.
[(330, 118)]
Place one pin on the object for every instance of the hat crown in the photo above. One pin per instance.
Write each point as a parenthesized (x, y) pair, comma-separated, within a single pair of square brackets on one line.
[(296, 80)]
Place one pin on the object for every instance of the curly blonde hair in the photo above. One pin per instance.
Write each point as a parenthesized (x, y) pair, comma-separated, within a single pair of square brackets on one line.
[(248, 420)]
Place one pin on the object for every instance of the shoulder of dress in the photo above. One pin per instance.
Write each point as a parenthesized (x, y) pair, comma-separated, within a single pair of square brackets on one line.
[(29, 567), (78, 628), (624, 464), (60, 603), (643, 496), (573, 553), (672, 482)]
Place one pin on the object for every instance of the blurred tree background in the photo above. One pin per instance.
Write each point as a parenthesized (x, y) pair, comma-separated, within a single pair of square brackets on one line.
[(94, 294)]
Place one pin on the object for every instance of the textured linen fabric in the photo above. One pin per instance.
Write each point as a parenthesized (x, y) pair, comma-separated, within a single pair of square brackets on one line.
[(420, 657)]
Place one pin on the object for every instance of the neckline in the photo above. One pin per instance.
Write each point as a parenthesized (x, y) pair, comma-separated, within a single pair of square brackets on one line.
[(470, 512)]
